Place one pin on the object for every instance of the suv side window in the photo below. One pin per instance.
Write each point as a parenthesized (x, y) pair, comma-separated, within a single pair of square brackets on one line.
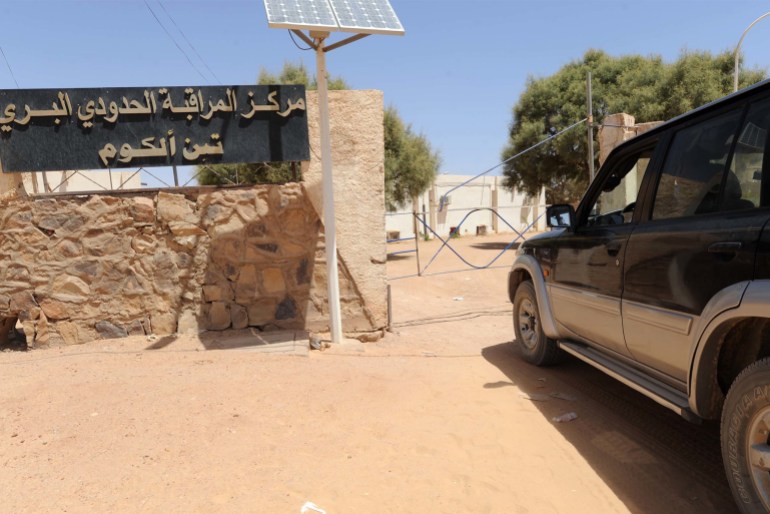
[(744, 181), (691, 176), (616, 202)]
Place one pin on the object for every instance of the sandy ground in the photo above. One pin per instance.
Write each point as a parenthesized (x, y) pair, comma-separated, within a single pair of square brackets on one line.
[(440, 416)]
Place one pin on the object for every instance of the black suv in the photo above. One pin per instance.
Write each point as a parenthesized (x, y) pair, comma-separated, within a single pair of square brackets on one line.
[(661, 277)]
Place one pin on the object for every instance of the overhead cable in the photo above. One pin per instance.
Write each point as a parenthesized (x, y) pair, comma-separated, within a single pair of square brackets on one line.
[(9, 68), (174, 41), (188, 42)]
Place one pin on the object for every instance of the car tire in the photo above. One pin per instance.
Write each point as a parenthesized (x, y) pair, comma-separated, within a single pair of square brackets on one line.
[(745, 434), (531, 341)]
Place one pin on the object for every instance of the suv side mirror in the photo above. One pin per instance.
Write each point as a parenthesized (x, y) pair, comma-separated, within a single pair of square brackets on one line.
[(561, 215)]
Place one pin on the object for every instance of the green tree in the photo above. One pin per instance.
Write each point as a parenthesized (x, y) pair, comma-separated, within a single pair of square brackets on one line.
[(410, 163), (646, 87)]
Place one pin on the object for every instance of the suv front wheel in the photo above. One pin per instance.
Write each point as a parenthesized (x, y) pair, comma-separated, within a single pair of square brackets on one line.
[(745, 438), (535, 347)]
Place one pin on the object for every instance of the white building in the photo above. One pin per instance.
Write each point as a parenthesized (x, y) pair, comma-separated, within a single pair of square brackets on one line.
[(480, 206), (76, 181)]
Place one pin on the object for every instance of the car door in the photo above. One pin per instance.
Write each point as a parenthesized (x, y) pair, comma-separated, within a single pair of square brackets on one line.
[(587, 272), (701, 234)]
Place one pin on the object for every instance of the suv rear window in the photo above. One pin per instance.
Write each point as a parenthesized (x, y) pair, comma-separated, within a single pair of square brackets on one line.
[(691, 177), (743, 185)]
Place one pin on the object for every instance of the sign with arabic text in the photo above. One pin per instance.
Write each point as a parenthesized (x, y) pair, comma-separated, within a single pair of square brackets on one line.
[(69, 129)]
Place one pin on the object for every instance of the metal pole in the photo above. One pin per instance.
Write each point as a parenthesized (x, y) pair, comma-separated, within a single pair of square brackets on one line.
[(328, 195), (590, 124), (169, 134), (46, 185), (738, 49), (390, 310), (416, 228)]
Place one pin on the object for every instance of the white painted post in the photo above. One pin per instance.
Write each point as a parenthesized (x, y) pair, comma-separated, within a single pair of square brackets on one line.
[(541, 226), (495, 208), (432, 206), (328, 196)]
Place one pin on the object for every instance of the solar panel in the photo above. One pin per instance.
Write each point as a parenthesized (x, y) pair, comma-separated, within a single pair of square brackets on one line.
[(359, 16), (301, 14), (367, 16)]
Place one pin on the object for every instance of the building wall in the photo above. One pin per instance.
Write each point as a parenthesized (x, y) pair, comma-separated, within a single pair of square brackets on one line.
[(71, 181), (92, 180), (485, 193)]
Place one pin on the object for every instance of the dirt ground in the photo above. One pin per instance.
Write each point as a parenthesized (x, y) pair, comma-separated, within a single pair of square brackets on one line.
[(440, 416)]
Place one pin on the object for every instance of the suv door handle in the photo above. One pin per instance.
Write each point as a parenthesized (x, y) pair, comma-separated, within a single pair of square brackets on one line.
[(725, 247), (613, 248)]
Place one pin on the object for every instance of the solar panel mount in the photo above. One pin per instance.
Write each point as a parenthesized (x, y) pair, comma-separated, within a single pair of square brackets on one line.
[(320, 18), (356, 16)]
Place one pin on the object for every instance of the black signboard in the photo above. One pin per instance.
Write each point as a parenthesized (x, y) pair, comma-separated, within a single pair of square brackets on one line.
[(65, 129)]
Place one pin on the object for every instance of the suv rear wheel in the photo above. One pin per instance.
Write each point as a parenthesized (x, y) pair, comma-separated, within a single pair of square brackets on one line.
[(745, 438), (535, 347)]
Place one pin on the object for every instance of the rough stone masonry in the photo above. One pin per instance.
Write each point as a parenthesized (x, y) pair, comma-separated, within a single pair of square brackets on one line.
[(80, 268)]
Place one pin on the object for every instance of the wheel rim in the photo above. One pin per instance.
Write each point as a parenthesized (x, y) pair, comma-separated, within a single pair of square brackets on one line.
[(528, 324), (758, 454)]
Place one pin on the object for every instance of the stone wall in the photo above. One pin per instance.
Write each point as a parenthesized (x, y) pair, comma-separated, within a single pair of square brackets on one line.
[(82, 268), (75, 268)]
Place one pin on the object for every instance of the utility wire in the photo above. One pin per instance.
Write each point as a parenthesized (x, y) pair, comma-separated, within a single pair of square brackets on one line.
[(174, 40), (188, 42), (291, 35), (9, 68)]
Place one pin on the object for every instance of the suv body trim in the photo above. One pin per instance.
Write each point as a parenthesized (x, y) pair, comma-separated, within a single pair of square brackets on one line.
[(596, 301), (665, 319), (645, 326), (593, 316), (529, 264), (739, 301), (657, 391)]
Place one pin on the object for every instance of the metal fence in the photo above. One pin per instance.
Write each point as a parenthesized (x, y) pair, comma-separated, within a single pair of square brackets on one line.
[(533, 212), (75, 181)]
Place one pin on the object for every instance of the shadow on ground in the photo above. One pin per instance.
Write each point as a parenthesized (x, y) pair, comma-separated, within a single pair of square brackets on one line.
[(652, 459), (282, 341), (400, 256), (495, 246)]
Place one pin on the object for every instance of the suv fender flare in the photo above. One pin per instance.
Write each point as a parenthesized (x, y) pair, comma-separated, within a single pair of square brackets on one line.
[(748, 299), (532, 267)]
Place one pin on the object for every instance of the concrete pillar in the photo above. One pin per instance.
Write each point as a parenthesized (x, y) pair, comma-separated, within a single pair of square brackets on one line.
[(416, 225), (495, 205), (615, 129), (540, 208), (433, 207), (12, 185)]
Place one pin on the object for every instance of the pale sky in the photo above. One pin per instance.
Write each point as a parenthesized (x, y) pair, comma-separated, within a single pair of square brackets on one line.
[(454, 76)]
